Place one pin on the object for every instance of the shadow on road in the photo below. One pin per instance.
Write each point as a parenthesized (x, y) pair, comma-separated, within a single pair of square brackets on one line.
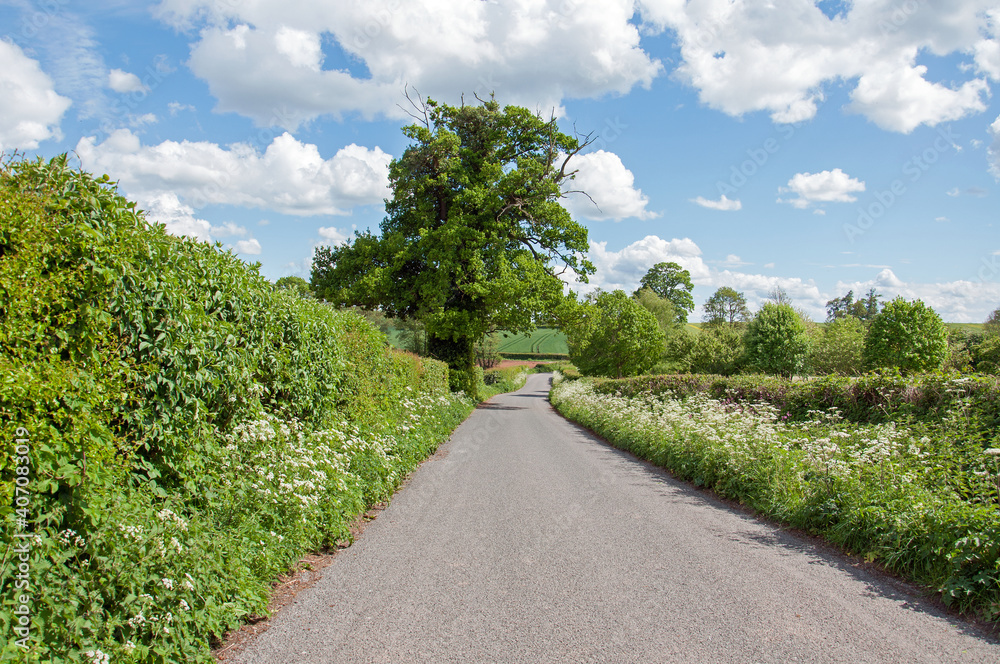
[(876, 581)]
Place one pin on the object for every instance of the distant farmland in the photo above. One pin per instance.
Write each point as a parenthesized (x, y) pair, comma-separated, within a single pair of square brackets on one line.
[(544, 340)]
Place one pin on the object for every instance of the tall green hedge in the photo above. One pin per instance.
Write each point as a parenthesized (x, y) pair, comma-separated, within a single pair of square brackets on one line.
[(190, 431)]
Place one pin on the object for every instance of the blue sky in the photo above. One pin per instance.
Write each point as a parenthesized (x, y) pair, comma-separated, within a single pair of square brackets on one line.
[(817, 147)]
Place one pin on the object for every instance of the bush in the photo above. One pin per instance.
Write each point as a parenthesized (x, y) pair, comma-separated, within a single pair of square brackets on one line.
[(191, 431), (838, 347), (718, 350), (775, 340), (617, 337), (907, 336)]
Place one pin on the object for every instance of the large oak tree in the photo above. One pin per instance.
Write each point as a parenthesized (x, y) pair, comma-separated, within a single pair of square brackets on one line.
[(474, 237)]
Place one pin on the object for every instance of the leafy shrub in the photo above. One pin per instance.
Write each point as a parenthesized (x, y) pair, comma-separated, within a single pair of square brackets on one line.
[(718, 350), (775, 340), (838, 347), (617, 337), (191, 430), (908, 336), (487, 352)]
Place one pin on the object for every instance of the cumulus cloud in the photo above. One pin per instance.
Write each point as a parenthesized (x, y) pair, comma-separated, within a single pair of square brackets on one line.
[(124, 82), (610, 186), (834, 186), (967, 300), (334, 235), (723, 204), (249, 247), (30, 108), (289, 176), (624, 268), (532, 54), (779, 56)]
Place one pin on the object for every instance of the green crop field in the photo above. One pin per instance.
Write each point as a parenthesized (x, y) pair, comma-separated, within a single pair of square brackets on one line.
[(543, 340)]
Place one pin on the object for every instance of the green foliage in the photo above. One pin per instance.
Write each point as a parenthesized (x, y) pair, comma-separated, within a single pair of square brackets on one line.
[(838, 347), (471, 232), (908, 336), (987, 355), (775, 340), (992, 323), (672, 283), (718, 349), (921, 498), (615, 337), (663, 310), (192, 429), (864, 310), (488, 352), (296, 285), (726, 306)]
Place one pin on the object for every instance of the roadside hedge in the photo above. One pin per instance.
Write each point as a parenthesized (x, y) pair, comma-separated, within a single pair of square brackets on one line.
[(175, 431)]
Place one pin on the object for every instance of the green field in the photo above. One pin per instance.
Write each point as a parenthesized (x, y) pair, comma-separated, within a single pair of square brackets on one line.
[(543, 340)]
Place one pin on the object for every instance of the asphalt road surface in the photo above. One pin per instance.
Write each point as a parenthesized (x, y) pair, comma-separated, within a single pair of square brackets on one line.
[(526, 539)]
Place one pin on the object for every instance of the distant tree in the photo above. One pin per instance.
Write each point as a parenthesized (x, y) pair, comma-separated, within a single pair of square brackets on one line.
[(906, 335), (488, 352), (779, 295), (838, 347), (718, 349), (726, 306), (614, 337), (986, 355), (672, 283), (295, 284), (662, 309), (776, 341), (864, 309), (992, 323)]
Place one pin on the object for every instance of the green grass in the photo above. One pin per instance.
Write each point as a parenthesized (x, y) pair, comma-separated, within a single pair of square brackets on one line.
[(543, 340)]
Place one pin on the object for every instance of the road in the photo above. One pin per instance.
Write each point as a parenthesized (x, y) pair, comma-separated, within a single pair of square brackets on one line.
[(526, 539)]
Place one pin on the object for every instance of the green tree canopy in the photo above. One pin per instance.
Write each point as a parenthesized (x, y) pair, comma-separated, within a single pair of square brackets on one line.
[(906, 335), (614, 337), (864, 309), (295, 284), (992, 323), (838, 347), (726, 306), (672, 283), (474, 234), (776, 341)]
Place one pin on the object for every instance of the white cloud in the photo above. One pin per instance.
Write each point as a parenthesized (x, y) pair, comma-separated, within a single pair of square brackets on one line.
[(624, 268), (334, 235), (533, 54), (899, 98), (779, 56), (732, 260), (834, 186), (30, 108), (176, 107), (124, 82), (611, 187), (249, 247), (288, 177), (961, 301), (722, 204), (179, 219)]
